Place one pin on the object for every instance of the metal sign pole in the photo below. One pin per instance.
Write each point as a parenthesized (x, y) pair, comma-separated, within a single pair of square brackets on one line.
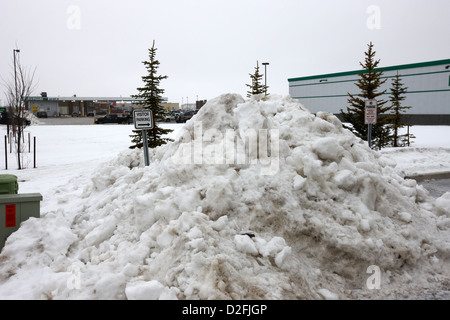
[(146, 157), (370, 117), (143, 120)]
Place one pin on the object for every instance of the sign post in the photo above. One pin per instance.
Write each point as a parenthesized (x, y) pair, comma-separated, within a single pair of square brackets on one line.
[(143, 120), (370, 117)]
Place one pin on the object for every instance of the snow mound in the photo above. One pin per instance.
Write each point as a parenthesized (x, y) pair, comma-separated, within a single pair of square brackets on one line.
[(255, 199)]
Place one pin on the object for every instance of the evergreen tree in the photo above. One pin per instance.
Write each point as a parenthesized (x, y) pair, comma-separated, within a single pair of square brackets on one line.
[(151, 93), (369, 83), (397, 96), (256, 87)]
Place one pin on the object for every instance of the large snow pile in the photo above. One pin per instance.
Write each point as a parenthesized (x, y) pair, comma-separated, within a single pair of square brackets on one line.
[(255, 199)]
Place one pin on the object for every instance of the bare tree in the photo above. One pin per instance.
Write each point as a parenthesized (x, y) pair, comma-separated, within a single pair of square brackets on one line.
[(18, 89)]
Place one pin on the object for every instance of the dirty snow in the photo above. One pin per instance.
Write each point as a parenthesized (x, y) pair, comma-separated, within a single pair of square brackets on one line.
[(216, 217)]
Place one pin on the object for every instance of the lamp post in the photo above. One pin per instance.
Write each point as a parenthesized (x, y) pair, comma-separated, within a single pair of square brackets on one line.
[(15, 76), (265, 64)]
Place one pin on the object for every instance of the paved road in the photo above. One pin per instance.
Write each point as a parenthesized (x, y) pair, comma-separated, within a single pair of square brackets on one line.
[(67, 121), (436, 187), (62, 121)]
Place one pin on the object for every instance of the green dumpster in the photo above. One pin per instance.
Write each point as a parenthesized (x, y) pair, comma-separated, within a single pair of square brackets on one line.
[(8, 184), (14, 209)]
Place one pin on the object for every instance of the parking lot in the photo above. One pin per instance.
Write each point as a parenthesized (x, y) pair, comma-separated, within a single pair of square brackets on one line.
[(66, 121), (436, 187), (61, 121)]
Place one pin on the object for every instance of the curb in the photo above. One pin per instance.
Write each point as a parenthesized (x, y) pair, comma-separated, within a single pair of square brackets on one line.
[(430, 176)]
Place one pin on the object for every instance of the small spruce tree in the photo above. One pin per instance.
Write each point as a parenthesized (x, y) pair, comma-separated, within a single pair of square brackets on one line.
[(369, 83), (151, 93), (256, 87), (397, 96)]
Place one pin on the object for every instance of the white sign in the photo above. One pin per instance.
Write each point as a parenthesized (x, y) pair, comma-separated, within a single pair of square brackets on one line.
[(370, 114), (143, 119)]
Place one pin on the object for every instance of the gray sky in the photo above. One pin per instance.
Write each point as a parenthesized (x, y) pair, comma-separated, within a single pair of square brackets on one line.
[(209, 47)]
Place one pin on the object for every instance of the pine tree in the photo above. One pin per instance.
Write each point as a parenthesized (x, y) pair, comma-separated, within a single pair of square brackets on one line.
[(369, 83), (397, 96), (151, 93), (256, 87)]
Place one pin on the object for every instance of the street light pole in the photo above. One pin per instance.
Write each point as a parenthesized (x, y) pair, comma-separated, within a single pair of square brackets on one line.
[(15, 76), (265, 64)]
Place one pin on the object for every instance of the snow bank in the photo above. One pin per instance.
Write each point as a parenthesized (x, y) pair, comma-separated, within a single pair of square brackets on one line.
[(420, 161), (255, 199)]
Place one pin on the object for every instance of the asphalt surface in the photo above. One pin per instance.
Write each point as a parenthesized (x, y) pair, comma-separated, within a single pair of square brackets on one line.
[(436, 187), (66, 121)]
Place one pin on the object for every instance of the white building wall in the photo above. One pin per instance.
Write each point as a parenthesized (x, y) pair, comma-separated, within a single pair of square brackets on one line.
[(428, 88)]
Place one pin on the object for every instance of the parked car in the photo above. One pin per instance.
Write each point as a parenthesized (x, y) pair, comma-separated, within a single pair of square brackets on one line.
[(177, 115), (169, 116), (185, 116), (75, 114), (3, 117), (41, 114), (113, 118), (6, 119)]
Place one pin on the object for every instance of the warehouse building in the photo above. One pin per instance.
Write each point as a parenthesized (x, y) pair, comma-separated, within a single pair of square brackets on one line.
[(428, 91), (81, 106)]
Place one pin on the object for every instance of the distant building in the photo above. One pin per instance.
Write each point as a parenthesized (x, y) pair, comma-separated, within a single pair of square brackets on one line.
[(171, 106), (200, 103), (188, 106), (81, 106), (428, 91)]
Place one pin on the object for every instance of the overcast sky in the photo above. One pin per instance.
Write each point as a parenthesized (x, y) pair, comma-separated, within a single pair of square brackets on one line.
[(209, 47)]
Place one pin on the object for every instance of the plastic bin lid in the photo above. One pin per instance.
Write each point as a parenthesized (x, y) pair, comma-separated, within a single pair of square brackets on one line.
[(5, 178)]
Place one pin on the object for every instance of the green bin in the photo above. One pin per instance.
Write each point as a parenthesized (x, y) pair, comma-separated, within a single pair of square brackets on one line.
[(16, 208), (8, 184)]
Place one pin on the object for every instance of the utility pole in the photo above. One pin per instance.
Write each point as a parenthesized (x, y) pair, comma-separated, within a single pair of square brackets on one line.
[(265, 64), (15, 77)]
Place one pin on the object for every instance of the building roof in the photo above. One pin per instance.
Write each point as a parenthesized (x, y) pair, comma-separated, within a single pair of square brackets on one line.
[(398, 67), (96, 99)]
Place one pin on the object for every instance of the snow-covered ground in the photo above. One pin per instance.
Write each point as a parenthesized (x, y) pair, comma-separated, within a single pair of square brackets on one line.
[(321, 216)]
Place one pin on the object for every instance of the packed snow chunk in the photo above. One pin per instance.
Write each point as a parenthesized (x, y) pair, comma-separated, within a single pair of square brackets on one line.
[(328, 149), (245, 244), (299, 182), (273, 247), (442, 204), (149, 290), (345, 179), (365, 225), (282, 255), (101, 232), (327, 294), (405, 216), (109, 286), (220, 223), (329, 117), (165, 238), (194, 233)]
